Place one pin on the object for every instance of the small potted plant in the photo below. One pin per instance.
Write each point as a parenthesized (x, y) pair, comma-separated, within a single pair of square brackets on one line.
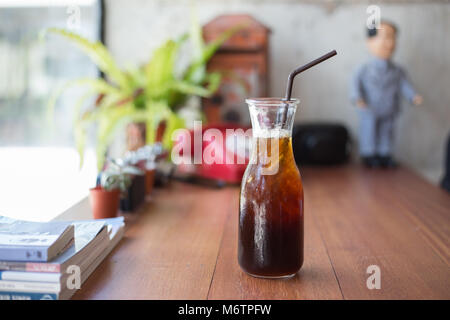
[(111, 185), (143, 158)]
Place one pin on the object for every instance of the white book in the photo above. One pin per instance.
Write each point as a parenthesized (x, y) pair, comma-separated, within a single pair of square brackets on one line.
[(33, 241)]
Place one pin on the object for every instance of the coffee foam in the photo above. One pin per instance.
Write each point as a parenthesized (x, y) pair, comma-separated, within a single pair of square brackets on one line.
[(271, 133)]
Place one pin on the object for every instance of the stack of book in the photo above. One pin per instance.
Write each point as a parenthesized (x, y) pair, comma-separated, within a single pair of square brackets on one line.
[(51, 260)]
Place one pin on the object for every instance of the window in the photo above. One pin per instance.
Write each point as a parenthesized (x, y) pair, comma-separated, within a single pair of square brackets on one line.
[(39, 167)]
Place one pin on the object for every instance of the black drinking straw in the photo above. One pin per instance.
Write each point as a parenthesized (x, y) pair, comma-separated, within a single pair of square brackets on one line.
[(303, 68)]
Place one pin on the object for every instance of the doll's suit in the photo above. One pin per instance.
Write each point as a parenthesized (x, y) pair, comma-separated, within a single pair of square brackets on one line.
[(380, 83)]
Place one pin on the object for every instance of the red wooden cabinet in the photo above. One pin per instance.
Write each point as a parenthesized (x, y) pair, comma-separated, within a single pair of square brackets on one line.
[(243, 59)]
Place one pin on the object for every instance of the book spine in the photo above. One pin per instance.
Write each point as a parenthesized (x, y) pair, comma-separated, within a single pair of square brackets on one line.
[(28, 286), (10, 295), (30, 276), (43, 267), (30, 266), (16, 253)]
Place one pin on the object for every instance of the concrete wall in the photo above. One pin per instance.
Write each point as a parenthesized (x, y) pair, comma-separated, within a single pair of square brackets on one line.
[(303, 30)]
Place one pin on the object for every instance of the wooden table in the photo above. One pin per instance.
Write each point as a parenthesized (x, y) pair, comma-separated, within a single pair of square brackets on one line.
[(183, 244)]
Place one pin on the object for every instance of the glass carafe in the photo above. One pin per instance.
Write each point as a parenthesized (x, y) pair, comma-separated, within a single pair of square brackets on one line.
[(271, 200)]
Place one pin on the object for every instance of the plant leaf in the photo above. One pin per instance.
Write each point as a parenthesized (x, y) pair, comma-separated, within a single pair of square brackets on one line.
[(197, 71), (160, 70), (98, 54), (80, 140), (213, 79), (174, 122), (157, 112), (190, 89), (98, 86)]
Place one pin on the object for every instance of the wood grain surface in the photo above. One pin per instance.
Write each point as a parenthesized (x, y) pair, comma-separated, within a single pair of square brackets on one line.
[(183, 243)]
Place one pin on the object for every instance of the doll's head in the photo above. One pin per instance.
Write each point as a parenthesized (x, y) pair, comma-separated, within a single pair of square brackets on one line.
[(381, 42)]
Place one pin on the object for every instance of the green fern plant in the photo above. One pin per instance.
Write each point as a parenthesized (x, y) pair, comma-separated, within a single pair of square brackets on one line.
[(150, 94)]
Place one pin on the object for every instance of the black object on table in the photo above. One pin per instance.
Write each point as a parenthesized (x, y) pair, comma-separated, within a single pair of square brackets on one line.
[(320, 143), (135, 194)]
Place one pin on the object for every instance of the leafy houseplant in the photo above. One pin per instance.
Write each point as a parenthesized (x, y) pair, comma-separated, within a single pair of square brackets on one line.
[(151, 94), (113, 182)]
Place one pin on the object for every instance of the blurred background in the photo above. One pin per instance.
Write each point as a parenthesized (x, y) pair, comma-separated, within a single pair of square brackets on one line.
[(298, 31)]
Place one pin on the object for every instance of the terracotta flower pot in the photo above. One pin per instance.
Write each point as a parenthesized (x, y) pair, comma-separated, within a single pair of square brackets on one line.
[(105, 204), (149, 180)]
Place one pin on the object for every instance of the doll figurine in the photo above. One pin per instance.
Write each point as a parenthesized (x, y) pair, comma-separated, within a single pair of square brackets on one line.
[(376, 88)]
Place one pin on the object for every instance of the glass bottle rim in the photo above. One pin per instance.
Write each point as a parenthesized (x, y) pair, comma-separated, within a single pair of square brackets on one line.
[(271, 102)]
